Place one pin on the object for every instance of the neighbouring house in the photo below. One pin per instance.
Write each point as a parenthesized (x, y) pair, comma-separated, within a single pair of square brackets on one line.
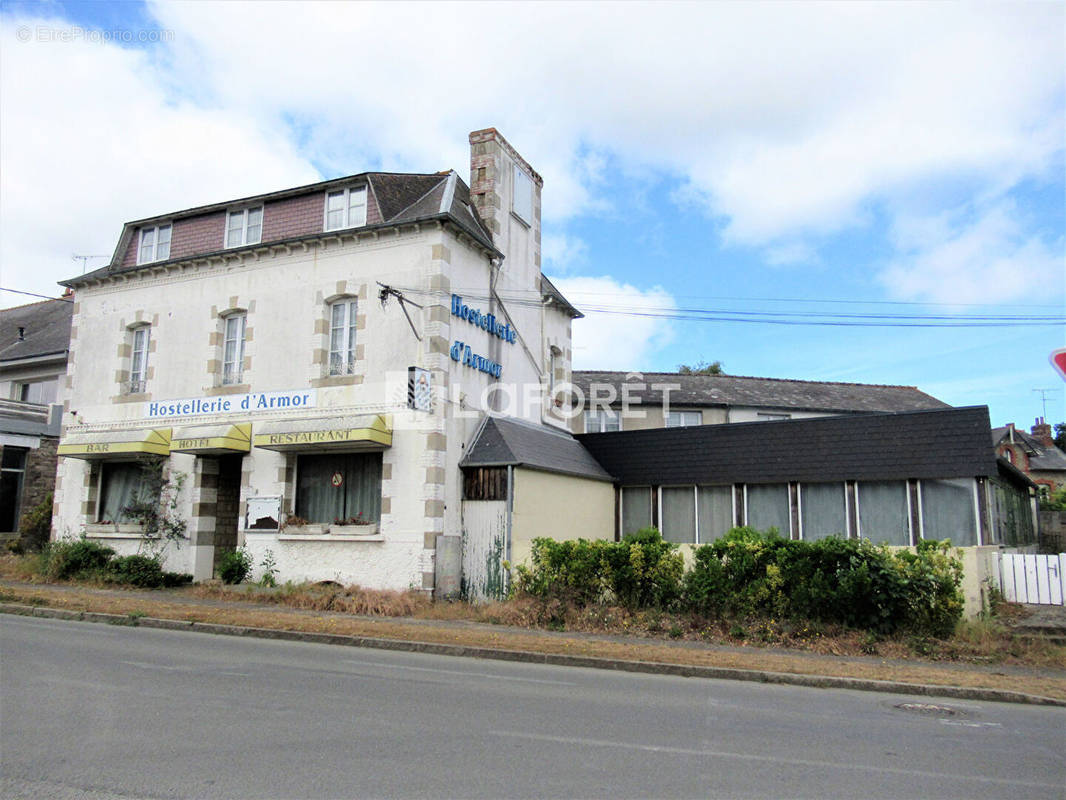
[(308, 367), (34, 341), (615, 401), (1035, 454)]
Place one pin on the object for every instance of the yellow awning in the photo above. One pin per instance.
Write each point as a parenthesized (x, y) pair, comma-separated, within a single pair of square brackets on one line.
[(370, 432), (213, 439), (116, 444)]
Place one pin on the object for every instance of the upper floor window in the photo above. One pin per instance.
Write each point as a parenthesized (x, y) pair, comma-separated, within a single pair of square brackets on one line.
[(683, 419), (244, 227), (770, 416), (155, 244), (522, 197), (39, 392), (139, 359), (342, 337), (346, 208), (602, 421), (233, 349)]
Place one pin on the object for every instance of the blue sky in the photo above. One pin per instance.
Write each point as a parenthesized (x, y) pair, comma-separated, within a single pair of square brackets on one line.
[(888, 159)]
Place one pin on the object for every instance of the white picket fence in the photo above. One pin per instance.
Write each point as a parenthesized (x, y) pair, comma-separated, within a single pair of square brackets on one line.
[(1025, 578)]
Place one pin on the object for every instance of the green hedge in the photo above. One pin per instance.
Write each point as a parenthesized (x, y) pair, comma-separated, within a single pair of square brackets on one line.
[(641, 571), (748, 573), (81, 559)]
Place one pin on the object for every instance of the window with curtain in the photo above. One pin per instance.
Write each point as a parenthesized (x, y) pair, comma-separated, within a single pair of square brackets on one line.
[(342, 337), (822, 511), (714, 511), (679, 514), (684, 419), (883, 515), (339, 487), (768, 507), (636, 508), (346, 208), (139, 359), (122, 483), (948, 512), (602, 421)]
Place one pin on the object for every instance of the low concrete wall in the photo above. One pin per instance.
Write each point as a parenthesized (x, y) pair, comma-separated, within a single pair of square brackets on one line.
[(559, 507)]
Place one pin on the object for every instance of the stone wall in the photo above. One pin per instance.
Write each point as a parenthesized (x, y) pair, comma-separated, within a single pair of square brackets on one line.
[(1052, 527)]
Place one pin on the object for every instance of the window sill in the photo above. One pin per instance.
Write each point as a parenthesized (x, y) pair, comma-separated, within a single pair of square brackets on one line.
[(112, 530), (139, 397), (330, 533), (337, 380), (521, 221), (229, 388)]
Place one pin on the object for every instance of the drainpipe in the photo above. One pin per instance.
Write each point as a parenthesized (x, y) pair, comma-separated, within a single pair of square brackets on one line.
[(510, 509)]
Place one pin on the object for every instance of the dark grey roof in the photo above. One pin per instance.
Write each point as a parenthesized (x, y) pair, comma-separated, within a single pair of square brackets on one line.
[(1041, 456), (502, 442), (46, 329), (550, 292), (734, 390), (402, 198), (948, 443)]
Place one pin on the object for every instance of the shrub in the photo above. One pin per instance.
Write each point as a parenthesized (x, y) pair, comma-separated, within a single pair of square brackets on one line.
[(843, 581), (234, 566), (36, 525), (641, 571), (136, 570), (74, 558)]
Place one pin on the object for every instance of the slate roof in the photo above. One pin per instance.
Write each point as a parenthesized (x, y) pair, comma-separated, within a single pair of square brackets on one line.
[(510, 442), (1041, 457), (949, 443), (402, 198), (549, 291), (734, 390), (46, 330)]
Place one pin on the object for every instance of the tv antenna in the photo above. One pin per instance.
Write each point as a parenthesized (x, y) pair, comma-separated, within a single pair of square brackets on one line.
[(84, 260), (1043, 398)]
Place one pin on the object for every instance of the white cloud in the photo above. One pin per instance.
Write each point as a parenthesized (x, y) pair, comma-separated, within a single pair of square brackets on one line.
[(984, 258), (785, 121), (562, 252), (616, 340)]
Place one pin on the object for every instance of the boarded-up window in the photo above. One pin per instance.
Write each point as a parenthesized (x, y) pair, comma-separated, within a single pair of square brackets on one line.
[(715, 512), (823, 512), (636, 508), (768, 507), (948, 511), (485, 483), (883, 516)]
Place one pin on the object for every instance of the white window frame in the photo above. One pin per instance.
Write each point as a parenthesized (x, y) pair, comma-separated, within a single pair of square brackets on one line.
[(244, 214), (155, 254), (349, 335), (522, 182), (350, 220), (601, 415), (681, 420), (139, 375), (772, 416), (233, 369)]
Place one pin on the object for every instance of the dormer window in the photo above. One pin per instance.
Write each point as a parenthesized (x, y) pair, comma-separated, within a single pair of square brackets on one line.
[(346, 208), (244, 227), (154, 245)]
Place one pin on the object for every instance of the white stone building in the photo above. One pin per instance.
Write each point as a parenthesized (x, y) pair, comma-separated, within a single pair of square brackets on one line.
[(260, 350)]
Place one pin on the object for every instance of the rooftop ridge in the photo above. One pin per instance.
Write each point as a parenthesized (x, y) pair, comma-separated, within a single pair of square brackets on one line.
[(747, 378)]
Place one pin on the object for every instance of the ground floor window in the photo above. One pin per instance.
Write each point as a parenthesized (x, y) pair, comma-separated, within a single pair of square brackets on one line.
[(123, 484), (679, 514), (714, 512), (768, 507), (823, 511), (339, 488), (948, 511), (636, 508), (883, 514)]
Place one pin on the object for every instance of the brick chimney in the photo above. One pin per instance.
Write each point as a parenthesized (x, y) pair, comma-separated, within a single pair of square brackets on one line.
[(1042, 432)]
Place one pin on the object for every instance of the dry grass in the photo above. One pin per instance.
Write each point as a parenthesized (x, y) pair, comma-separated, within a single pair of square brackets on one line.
[(182, 605)]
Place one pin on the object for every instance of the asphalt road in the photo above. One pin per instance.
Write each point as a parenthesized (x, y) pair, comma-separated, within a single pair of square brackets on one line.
[(95, 711)]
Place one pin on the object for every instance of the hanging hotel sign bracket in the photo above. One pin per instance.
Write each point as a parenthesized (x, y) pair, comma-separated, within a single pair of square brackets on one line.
[(386, 292)]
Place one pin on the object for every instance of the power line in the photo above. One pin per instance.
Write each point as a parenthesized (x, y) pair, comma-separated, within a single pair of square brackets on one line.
[(34, 294)]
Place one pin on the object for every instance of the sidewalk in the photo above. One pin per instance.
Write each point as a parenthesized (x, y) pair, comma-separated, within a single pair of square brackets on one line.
[(177, 610)]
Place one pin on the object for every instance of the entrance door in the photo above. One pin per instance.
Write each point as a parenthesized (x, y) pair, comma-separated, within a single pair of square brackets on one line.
[(227, 508)]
